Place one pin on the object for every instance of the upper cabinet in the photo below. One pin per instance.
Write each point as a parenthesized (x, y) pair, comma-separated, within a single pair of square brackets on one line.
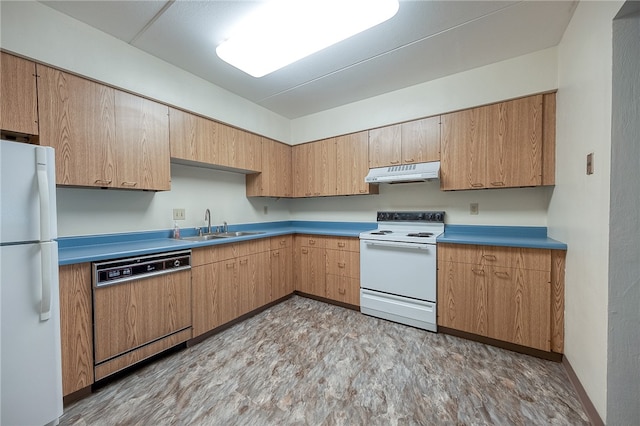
[(197, 139), (18, 103), (498, 146), (314, 169), (415, 141), (352, 158), (103, 137), (275, 179)]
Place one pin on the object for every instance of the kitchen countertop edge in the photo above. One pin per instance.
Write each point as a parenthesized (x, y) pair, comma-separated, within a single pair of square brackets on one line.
[(506, 236)]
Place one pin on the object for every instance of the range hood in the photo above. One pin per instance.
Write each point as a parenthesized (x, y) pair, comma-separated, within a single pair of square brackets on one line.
[(419, 172)]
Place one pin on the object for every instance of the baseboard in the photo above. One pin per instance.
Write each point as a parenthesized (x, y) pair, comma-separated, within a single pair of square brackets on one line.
[(588, 406)]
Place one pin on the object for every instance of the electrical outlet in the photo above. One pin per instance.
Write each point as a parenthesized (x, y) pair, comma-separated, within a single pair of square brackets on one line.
[(179, 214), (265, 210), (473, 208)]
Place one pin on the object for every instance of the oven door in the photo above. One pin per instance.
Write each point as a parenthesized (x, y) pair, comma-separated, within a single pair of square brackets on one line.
[(399, 268)]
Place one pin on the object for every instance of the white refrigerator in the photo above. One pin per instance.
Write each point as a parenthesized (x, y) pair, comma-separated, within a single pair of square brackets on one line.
[(30, 358)]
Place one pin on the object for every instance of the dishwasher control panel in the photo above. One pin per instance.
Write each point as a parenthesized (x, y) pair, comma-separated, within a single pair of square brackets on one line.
[(121, 270)]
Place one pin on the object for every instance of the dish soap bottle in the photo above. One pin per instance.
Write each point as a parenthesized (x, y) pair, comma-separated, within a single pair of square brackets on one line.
[(176, 231)]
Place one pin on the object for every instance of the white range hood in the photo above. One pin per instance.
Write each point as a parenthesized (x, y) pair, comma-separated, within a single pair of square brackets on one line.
[(419, 172)]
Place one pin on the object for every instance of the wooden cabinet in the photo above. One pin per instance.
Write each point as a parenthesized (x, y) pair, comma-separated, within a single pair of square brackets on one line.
[(494, 146), (19, 102), (343, 270), (328, 267), (352, 163), (314, 166), (415, 141), (228, 281), (281, 254), (193, 138), (503, 293), (76, 331), (275, 180), (103, 137), (239, 149)]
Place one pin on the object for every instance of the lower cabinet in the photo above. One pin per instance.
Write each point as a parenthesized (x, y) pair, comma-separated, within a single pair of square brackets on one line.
[(328, 267), (504, 293), (231, 280), (76, 330)]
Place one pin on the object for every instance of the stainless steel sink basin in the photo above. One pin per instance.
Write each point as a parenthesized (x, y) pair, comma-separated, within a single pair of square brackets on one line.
[(219, 235)]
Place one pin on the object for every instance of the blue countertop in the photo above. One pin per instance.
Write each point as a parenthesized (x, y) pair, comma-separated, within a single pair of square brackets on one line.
[(94, 248), (509, 236)]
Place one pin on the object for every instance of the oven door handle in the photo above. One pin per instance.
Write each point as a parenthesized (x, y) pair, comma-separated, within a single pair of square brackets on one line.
[(416, 246)]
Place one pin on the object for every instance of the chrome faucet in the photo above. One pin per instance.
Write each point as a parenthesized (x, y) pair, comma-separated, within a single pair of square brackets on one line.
[(207, 217), (225, 228)]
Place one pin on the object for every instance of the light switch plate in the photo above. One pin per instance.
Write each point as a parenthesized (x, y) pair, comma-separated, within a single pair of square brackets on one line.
[(473, 208), (179, 214)]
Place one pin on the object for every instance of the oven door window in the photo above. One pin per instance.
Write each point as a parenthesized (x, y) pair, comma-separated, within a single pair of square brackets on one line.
[(404, 269)]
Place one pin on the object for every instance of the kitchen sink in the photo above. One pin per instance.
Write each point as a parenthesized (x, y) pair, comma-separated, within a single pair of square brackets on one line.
[(219, 235)]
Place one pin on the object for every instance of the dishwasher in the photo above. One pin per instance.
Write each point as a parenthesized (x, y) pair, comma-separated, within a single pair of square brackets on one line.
[(141, 307)]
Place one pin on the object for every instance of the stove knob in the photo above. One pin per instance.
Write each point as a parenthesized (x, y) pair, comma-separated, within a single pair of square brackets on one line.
[(430, 217), (439, 217), (396, 216), (420, 216)]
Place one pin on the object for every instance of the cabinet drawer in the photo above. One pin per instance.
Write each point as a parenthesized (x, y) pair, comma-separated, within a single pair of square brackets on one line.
[(343, 289), (343, 263), (318, 241), (284, 241), (507, 257), (346, 243), (252, 247)]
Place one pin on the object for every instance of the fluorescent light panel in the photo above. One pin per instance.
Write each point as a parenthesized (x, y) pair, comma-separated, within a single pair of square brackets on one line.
[(281, 32)]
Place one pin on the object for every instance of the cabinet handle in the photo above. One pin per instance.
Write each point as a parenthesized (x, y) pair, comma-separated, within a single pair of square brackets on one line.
[(497, 183), (394, 162), (341, 244), (129, 184), (477, 185), (244, 261), (307, 194), (477, 271), (341, 264), (363, 191), (305, 251), (316, 193), (312, 242), (409, 160), (501, 274), (103, 182), (276, 254), (342, 291), (489, 257), (231, 265), (282, 242)]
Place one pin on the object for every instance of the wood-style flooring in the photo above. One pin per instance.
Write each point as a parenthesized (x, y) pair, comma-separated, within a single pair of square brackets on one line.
[(304, 362)]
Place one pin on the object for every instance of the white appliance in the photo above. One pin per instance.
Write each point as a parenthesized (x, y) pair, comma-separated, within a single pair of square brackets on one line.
[(417, 172), (31, 368), (398, 268)]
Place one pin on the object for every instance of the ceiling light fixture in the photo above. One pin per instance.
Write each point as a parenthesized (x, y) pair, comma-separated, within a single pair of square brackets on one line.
[(281, 32)]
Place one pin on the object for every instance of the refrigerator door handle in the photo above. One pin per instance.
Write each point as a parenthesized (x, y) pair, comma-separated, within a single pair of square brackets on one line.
[(43, 192), (46, 255)]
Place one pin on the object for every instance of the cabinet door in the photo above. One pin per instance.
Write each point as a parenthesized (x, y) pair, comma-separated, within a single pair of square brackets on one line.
[(520, 302), (19, 101), (75, 327), (275, 177), (463, 156), (205, 302), (462, 297), (352, 153), (310, 271), (77, 118), (254, 282), (142, 135), (302, 170), (281, 273), (239, 149), (343, 289), (421, 140), (193, 138), (323, 168), (514, 143), (385, 146)]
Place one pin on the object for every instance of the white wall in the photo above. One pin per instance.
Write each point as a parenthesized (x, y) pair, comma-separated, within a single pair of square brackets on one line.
[(38, 32), (579, 208), (96, 211), (524, 75)]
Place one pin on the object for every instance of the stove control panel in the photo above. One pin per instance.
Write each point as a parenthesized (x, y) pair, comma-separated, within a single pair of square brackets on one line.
[(434, 217)]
